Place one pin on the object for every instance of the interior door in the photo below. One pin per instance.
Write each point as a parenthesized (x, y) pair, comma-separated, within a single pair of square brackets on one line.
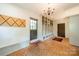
[(61, 30)]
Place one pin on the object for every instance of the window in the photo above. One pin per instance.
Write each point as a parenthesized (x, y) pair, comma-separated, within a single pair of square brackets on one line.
[(33, 25), (33, 28)]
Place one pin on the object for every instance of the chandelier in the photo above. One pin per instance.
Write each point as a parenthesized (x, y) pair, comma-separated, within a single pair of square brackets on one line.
[(49, 11)]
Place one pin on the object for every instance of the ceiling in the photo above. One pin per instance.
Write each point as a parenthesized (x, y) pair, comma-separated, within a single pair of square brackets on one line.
[(39, 7)]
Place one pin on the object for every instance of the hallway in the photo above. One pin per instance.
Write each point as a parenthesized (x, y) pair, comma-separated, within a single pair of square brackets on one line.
[(23, 24), (49, 48)]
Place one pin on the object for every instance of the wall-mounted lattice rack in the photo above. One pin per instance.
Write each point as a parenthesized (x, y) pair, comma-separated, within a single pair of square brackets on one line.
[(11, 21)]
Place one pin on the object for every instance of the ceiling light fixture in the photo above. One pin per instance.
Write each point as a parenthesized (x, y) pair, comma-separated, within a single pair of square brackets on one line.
[(49, 11)]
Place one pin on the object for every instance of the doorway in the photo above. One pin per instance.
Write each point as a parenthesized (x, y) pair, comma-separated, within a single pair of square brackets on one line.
[(61, 30)]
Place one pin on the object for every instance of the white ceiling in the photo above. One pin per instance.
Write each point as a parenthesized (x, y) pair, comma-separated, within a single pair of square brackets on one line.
[(39, 7)]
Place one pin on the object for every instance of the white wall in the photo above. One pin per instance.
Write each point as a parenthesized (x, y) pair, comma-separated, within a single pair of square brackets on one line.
[(74, 30), (12, 39)]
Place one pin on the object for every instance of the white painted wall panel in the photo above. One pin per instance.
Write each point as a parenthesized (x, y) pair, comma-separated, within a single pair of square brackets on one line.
[(74, 30)]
